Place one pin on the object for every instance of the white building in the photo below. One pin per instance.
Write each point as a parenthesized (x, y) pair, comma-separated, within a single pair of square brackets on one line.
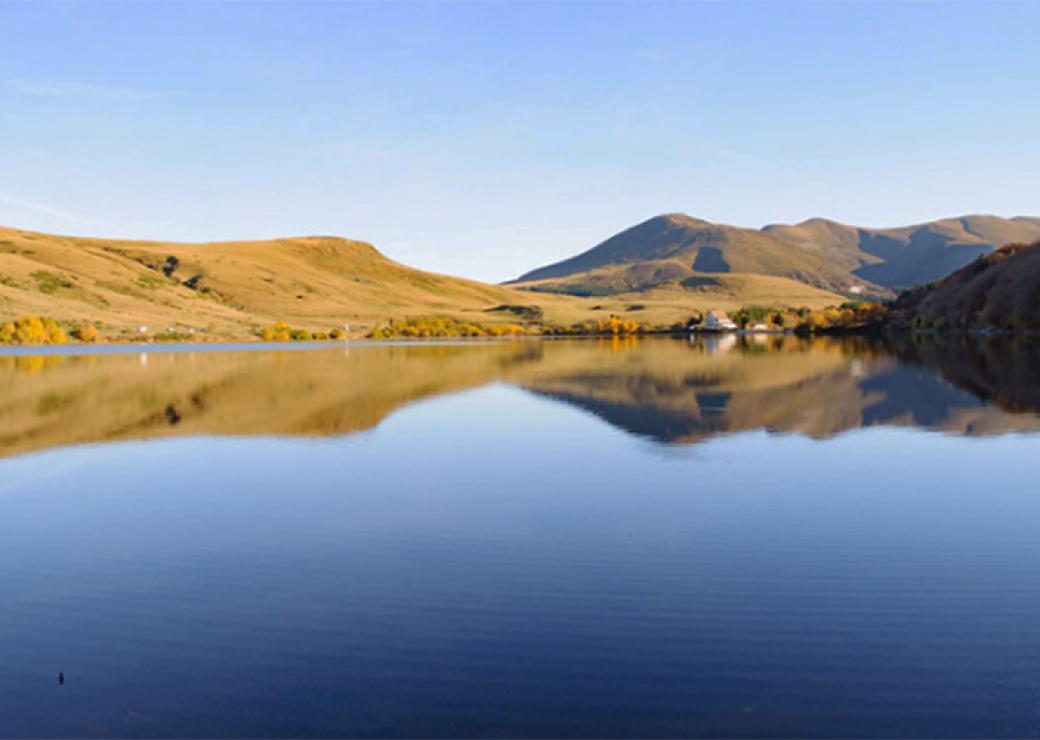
[(719, 321)]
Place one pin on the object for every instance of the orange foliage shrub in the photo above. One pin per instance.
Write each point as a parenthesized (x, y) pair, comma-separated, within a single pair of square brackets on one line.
[(87, 334)]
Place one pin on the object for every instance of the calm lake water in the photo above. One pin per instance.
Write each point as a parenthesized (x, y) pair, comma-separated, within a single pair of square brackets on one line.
[(531, 538)]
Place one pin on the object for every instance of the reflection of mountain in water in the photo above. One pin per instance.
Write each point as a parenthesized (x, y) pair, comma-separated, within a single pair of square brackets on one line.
[(906, 395), (668, 390), (707, 416), (836, 387)]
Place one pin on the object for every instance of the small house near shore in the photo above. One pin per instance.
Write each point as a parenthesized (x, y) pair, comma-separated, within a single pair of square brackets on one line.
[(719, 321)]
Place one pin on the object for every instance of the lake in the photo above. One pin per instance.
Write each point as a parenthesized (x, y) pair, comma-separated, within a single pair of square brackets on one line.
[(726, 536)]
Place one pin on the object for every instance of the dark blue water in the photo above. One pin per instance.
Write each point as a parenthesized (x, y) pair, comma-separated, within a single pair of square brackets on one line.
[(508, 559)]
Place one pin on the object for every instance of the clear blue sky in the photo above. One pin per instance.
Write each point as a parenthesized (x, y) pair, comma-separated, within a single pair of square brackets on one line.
[(486, 139)]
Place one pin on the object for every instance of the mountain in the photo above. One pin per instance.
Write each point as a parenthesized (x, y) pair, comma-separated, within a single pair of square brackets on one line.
[(229, 289), (680, 251), (909, 255), (998, 291), (675, 249)]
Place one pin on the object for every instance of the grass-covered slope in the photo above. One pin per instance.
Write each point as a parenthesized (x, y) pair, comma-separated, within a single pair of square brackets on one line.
[(633, 285), (230, 288), (997, 291)]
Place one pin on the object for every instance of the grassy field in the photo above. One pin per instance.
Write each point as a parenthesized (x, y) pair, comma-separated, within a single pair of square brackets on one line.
[(232, 289), (661, 303)]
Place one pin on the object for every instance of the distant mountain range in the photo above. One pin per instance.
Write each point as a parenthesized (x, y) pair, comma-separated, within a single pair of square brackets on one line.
[(678, 250)]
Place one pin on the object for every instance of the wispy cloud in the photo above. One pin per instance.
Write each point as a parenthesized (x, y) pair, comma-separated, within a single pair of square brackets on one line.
[(41, 208), (62, 90)]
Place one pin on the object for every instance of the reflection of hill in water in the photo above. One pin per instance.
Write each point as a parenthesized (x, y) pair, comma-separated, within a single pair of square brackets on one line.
[(667, 390), (57, 400), (1005, 372)]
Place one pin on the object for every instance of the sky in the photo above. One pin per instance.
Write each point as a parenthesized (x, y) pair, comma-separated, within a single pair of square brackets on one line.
[(486, 139)]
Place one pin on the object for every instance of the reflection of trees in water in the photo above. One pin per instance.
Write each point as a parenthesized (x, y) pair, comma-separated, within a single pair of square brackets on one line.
[(32, 364), (1004, 371)]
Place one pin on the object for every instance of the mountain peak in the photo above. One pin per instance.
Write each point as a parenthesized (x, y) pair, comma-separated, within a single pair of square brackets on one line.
[(679, 219)]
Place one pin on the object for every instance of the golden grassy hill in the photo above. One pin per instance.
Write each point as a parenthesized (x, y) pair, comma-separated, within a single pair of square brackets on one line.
[(230, 289), (618, 288)]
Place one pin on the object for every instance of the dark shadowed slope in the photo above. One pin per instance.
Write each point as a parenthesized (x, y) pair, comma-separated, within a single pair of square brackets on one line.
[(1000, 290)]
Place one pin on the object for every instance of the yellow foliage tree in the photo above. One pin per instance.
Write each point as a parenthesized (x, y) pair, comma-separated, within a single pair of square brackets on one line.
[(616, 325), (32, 330), (277, 332)]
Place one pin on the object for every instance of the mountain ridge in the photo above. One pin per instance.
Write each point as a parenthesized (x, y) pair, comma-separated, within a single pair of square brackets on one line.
[(681, 248), (821, 252)]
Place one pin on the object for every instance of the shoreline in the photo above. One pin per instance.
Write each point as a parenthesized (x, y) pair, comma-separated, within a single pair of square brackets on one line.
[(232, 345)]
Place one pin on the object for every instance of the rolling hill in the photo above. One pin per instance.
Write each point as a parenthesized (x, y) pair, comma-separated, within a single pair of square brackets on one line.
[(997, 291), (229, 289), (678, 250)]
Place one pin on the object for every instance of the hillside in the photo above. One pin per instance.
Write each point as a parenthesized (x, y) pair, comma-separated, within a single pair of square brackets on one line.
[(229, 289), (673, 249), (618, 289), (998, 291), (906, 256)]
